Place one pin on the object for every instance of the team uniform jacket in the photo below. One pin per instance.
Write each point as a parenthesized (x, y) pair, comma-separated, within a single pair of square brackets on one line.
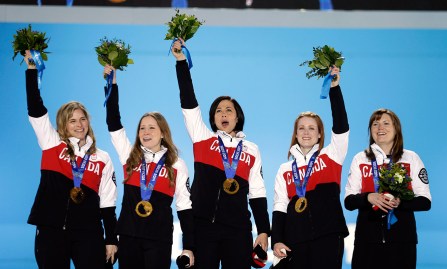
[(323, 215), (52, 205), (159, 225), (371, 226), (209, 201)]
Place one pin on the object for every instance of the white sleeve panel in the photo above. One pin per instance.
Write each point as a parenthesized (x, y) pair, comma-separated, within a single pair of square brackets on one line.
[(122, 144), (281, 199), (354, 184), (419, 177), (197, 129), (47, 136), (107, 188), (182, 189), (338, 148), (255, 180)]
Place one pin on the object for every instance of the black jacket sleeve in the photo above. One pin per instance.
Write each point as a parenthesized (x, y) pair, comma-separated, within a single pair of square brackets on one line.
[(260, 214), (109, 221), (419, 203), (187, 224), (339, 117), (34, 101), (357, 201), (187, 96), (113, 117), (278, 227)]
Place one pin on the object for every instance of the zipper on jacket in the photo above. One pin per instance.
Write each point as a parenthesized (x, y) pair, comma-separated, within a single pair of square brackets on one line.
[(383, 231), (66, 213), (215, 208)]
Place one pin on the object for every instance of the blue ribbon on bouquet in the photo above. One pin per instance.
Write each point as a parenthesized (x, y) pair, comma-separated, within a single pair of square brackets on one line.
[(109, 86), (185, 51), (36, 58), (326, 86), (391, 218)]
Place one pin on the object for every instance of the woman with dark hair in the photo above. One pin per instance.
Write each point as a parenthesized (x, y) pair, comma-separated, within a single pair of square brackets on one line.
[(227, 169), (154, 174), (75, 201), (308, 223), (378, 244)]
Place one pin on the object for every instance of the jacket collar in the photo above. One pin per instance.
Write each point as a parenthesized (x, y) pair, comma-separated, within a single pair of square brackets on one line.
[(379, 153), (150, 156), (298, 154), (223, 134), (80, 150)]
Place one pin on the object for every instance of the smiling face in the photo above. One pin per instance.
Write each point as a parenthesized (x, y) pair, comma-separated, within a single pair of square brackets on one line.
[(150, 134), (383, 132), (78, 126), (307, 133), (225, 117)]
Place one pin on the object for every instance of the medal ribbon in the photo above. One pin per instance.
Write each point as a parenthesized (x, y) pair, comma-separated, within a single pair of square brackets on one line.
[(40, 66), (391, 218), (109, 86), (301, 186), (230, 170), (146, 191), (78, 172), (185, 51)]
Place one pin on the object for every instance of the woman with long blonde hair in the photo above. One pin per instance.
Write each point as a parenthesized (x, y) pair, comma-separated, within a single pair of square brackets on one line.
[(76, 199)]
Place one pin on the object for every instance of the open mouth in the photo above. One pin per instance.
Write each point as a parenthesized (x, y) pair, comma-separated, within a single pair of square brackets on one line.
[(225, 123)]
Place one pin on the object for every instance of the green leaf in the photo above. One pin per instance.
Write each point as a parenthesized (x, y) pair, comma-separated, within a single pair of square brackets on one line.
[(339, 62), (101, 61), (112, 55), (130, 61)]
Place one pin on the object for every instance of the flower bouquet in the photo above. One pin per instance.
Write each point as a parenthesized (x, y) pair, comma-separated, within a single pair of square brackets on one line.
[(182, 26), (27, 39), (113, 52), (393, 180), (324, 58)]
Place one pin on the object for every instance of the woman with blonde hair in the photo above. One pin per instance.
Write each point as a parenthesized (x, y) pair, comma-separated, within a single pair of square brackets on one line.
[(75, 201)]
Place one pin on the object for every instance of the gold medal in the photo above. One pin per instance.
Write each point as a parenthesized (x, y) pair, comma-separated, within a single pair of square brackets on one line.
[(230, 186), (147, 208), (77, 195), (301, 204)]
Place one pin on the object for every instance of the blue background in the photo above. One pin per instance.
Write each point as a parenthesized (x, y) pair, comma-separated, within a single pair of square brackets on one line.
[(400, 69)]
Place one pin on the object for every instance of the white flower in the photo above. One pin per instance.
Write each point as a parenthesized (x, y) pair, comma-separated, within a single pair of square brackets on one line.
[(399, 178)]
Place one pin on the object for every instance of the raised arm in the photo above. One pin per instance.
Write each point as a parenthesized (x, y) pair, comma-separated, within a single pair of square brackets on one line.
[(339, 117), (187, 95), (36, 108), (112, 107)]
